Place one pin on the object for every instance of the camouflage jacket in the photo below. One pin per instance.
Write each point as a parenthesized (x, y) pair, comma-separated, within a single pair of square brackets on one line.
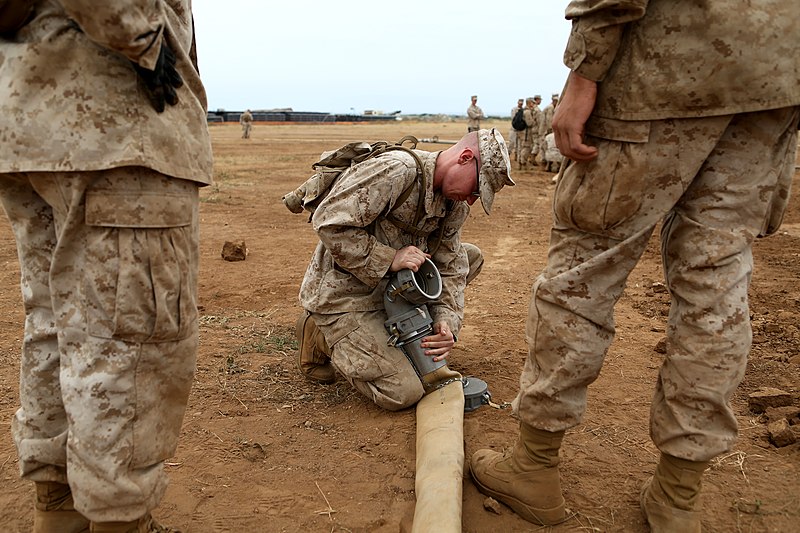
[(350, 266), (70, 99), (474, 116), (546, 124), (662, 59), (533, 118)]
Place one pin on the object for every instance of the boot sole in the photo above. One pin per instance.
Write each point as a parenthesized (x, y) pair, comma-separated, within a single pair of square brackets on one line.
[(541, 517), (298, 332)]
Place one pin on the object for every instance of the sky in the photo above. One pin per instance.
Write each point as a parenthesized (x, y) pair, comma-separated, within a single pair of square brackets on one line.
[(348, 56)]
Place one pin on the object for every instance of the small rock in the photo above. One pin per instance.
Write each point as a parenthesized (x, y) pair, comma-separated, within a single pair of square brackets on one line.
[(759, 400), (659, 287), (791, 414), (490, 504), (661, 346), (780, 434), (234, 251)]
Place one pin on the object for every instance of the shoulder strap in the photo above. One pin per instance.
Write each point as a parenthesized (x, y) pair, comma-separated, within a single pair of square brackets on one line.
[(420, 180)]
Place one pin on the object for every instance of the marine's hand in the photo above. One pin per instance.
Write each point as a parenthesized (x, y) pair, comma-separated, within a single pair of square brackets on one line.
[(409, 257), (570, 118), (162, 82), (440, 343)]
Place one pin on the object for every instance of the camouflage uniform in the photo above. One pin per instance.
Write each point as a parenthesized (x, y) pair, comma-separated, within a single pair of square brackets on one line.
[(346, 278), (474, 116), (102, 195), (551, 155), (246, 120), (700, 137), (546, 126), (529, 142), (513, 136)]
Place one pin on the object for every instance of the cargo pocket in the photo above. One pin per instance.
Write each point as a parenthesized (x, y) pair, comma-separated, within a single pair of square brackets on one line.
[(140, 275), (362, 353), (600, 195)]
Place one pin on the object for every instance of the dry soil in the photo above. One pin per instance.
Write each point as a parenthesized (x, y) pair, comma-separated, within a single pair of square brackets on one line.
[(263, 450)]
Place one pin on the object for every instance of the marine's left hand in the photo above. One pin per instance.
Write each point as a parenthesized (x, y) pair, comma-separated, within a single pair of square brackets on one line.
[(440, 343), (163, 82)]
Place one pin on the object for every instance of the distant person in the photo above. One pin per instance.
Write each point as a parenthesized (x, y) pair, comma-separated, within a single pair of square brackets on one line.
[(474, 115), (361, 245), (551, 155), (681, 115), (538, 138), (513, 134), (529, 139), (246, 120), (100, 182), (546, 126)]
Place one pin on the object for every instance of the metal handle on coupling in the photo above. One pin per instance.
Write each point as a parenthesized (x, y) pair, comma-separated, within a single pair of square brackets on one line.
[(420, 287)]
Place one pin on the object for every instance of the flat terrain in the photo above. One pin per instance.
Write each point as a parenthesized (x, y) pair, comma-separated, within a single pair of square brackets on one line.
[(263, 450)]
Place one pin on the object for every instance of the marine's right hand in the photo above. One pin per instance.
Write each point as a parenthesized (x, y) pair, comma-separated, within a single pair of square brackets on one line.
[(569, 120), (409, 257)]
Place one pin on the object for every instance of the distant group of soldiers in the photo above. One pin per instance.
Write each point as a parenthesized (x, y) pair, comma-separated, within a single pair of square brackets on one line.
[(531, 141), (534, 144)]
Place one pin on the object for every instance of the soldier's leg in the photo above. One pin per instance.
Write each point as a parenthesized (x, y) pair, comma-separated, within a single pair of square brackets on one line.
[(475, 259), (605, 211), (39, 426), (524, 154), (707, 253), (124, 281), (361, 354), (738, 193)]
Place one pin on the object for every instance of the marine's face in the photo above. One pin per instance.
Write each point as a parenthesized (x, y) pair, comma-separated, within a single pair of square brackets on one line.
[(461, 183)]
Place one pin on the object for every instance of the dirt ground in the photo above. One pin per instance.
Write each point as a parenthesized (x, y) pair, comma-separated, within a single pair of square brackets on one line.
[(263, 450)]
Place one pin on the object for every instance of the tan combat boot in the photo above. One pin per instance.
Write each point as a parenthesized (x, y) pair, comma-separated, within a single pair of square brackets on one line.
[(671, 498), (145, 524), (313, 354), (54, 510), (526, 477)]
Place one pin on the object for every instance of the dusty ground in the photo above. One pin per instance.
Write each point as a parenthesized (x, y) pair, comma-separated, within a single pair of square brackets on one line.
[(262, 450)]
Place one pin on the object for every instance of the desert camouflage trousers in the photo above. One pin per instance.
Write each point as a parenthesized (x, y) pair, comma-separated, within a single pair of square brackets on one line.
[(528, 143), (109, 279), (512, 142), (360, 352), (715, 184)]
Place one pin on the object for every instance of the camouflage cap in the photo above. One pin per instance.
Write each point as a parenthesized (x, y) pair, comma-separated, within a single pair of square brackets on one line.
[(495, 169)]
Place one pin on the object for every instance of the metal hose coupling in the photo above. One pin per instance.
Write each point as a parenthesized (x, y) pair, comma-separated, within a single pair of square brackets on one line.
[(405, 299)]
